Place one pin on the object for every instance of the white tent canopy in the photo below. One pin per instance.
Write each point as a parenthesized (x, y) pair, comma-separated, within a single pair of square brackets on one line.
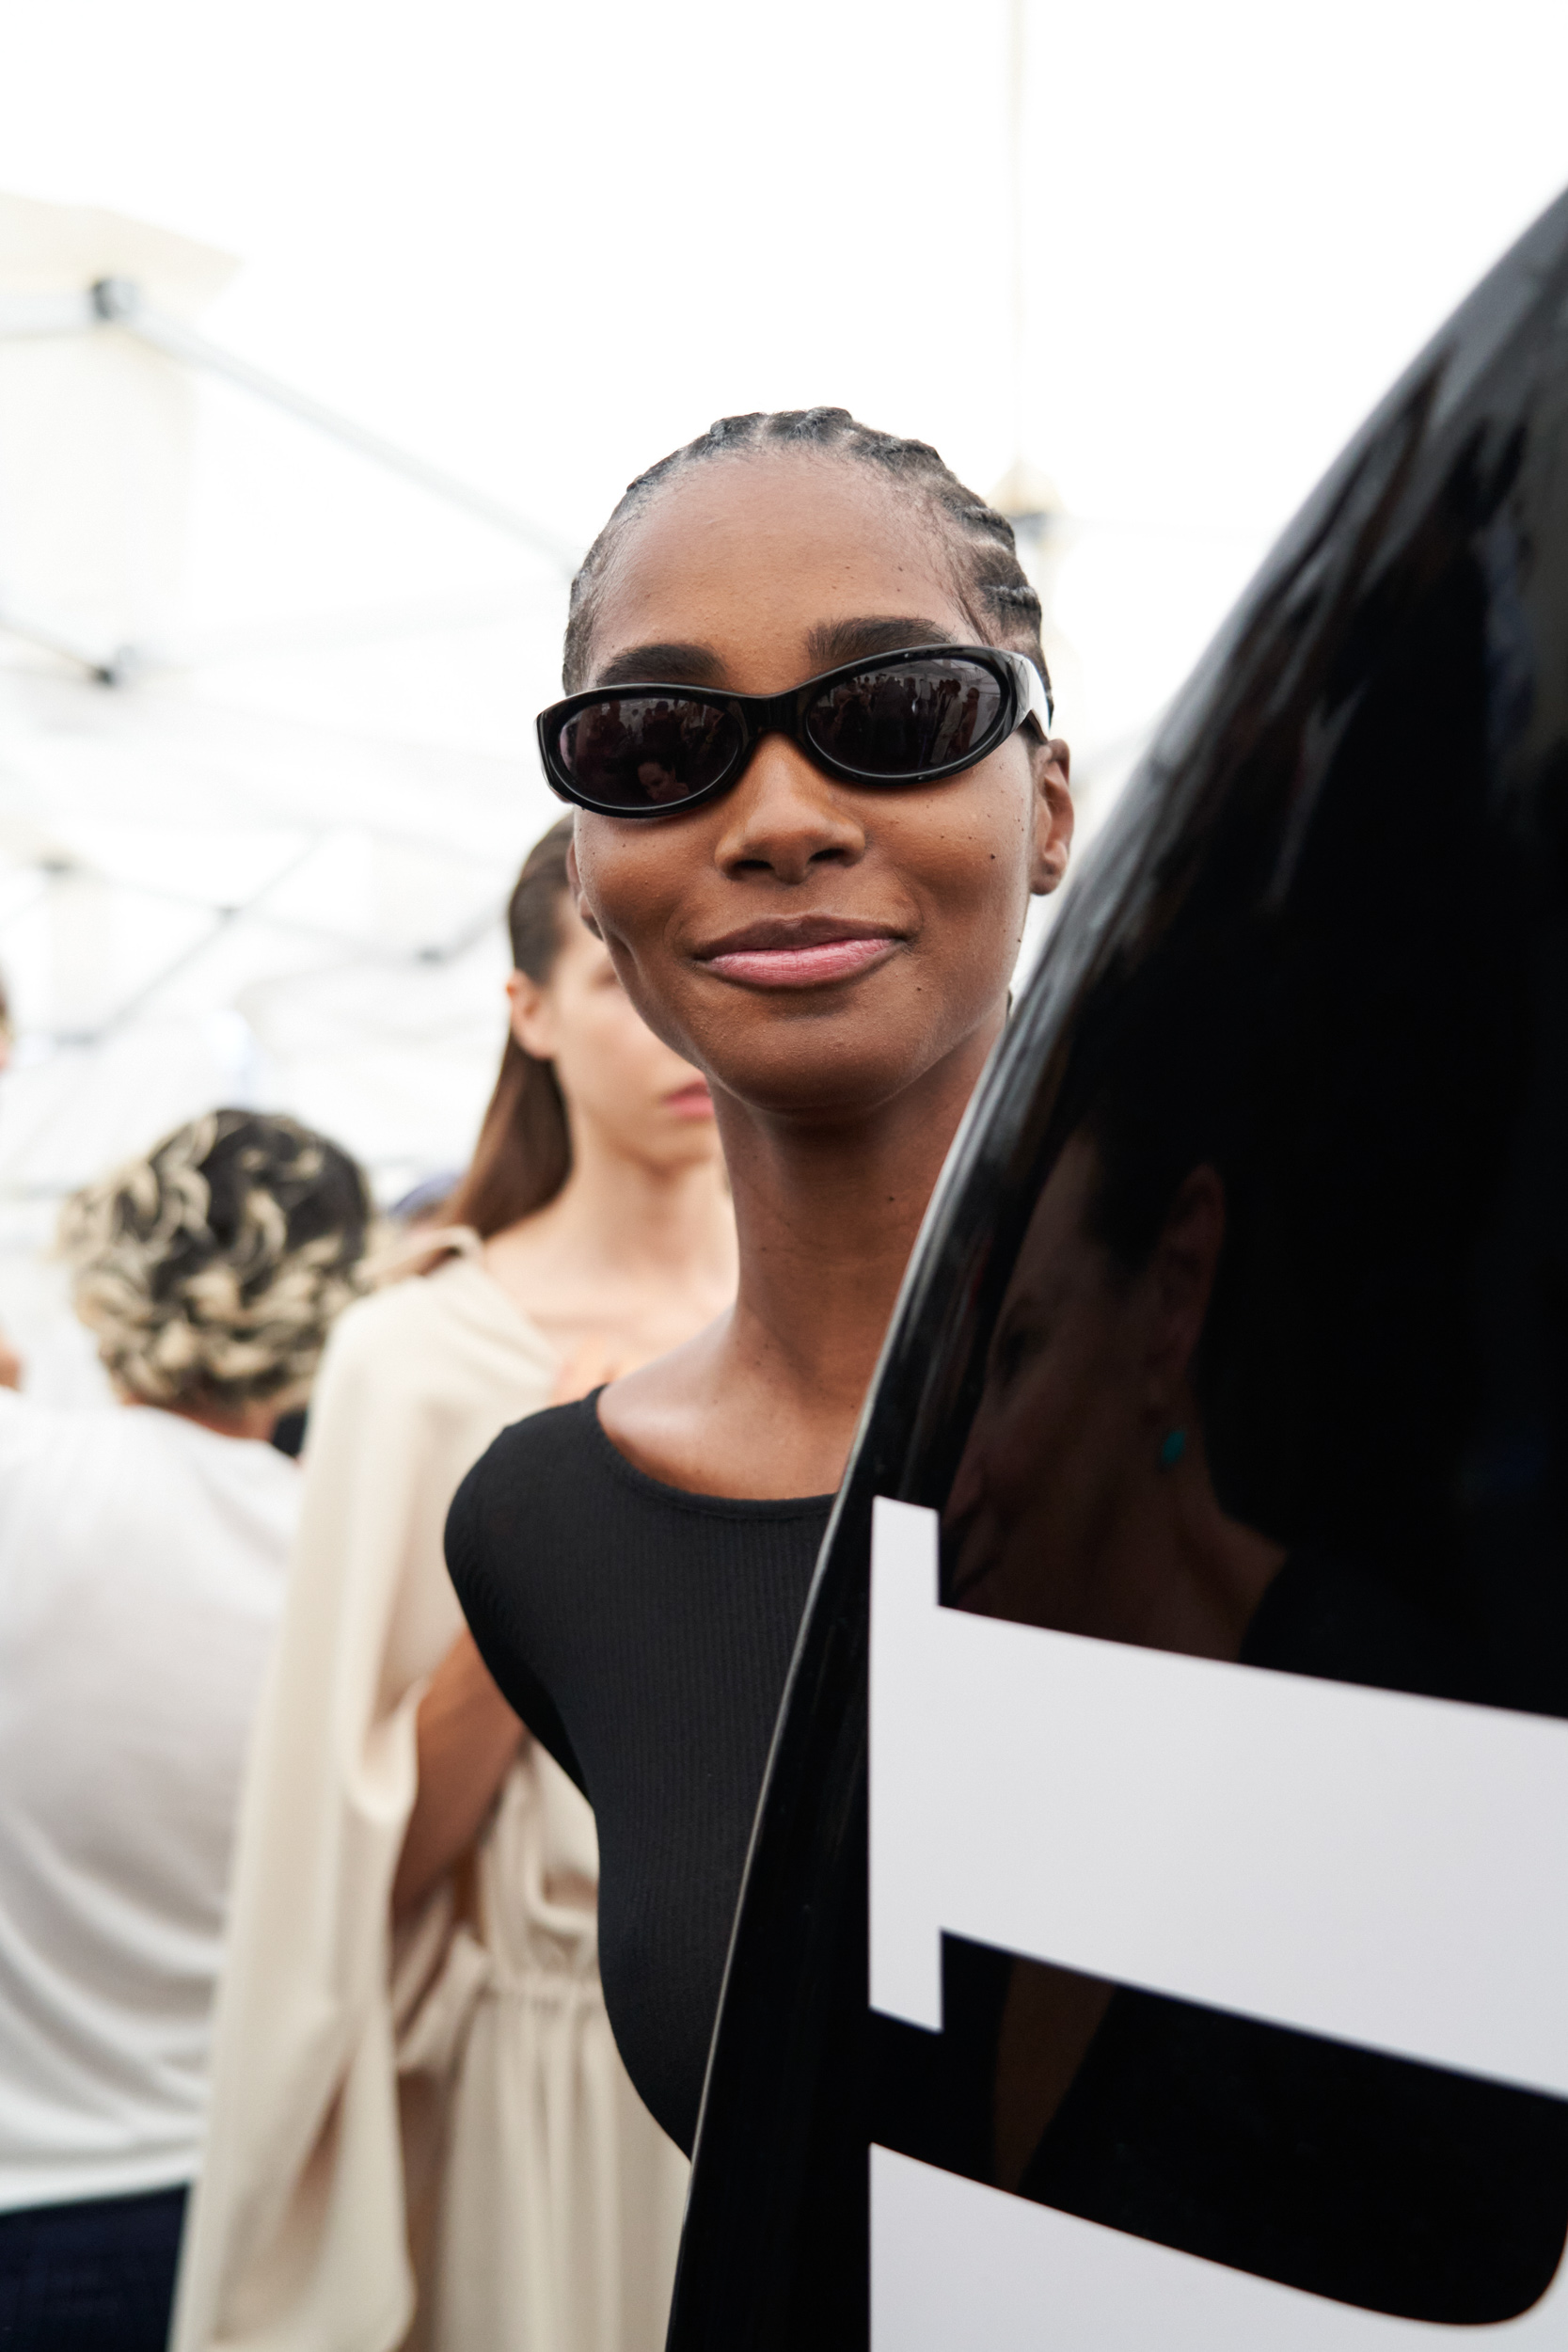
[(197, 902), (205, 899)]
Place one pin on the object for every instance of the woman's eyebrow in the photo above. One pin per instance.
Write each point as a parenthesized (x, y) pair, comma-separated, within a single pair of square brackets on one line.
[(834, 643), (675, 665), (828, 646)]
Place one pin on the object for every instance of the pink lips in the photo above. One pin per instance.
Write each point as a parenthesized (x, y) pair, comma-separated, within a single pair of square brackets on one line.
[(690, 1102), (800, 952)]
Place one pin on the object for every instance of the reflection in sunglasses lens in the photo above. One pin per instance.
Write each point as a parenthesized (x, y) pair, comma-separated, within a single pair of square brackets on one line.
[(895, 722), (642, 751)]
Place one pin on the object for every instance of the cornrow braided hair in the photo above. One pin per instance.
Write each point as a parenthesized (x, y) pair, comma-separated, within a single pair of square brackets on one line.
[(991, 581)]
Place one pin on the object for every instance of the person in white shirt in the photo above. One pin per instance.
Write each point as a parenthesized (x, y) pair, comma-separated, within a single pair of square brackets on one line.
[(142, 1561)]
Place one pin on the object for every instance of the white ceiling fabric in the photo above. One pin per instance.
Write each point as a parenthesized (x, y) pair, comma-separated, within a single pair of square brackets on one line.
[(190, 893), (205, 899), (200, 905)]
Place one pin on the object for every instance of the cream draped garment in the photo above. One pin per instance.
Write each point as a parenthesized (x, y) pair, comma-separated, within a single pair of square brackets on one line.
[(426, 2140)]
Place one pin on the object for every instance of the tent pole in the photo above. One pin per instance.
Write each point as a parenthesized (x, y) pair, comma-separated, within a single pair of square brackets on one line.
[(117, 302)]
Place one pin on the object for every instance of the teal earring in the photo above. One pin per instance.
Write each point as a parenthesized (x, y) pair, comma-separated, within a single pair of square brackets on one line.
[(1172, 1447)]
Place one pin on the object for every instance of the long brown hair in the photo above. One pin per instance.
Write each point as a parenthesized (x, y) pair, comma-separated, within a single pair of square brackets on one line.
[(524, 1152)]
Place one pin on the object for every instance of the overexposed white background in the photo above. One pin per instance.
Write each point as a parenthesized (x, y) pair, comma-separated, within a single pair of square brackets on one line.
[(544, 244), (540, 247)]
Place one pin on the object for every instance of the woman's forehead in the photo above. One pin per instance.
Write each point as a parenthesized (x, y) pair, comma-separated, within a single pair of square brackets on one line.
[(753, 562)]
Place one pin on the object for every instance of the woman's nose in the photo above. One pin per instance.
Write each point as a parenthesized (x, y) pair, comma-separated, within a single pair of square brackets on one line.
[(786, 817)]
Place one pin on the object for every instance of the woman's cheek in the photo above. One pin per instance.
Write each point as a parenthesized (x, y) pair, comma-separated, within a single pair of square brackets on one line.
[(655, 1007)]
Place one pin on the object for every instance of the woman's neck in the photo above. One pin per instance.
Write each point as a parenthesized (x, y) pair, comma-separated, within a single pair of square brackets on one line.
[(622, 1216), (826, 1222), (629, 1259), (766, 1403)]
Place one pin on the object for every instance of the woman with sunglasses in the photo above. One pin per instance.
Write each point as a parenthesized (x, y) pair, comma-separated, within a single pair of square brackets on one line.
[(807, 737)]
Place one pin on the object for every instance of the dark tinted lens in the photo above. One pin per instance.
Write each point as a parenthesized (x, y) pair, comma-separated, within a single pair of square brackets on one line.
[(647, 751), (897, 723)]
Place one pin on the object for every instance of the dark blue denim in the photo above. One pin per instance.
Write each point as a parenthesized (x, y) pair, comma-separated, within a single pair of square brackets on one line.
[(90, 2278)]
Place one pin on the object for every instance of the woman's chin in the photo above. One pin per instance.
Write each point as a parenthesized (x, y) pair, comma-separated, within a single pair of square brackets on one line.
[(835, 1061), (815, 1087)]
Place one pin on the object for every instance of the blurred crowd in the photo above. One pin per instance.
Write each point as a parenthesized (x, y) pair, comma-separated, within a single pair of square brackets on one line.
[(301, 2033)]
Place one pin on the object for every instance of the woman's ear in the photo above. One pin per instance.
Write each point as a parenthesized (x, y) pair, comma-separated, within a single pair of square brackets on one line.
[(1050, 766), (574, 884), (533, 1023)]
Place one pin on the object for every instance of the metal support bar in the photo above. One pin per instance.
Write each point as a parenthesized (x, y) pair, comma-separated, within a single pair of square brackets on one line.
[(120, 303), (22, 316), (110, 665)]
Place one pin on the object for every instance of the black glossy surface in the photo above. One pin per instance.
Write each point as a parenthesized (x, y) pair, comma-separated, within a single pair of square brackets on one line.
[(1323, 952)]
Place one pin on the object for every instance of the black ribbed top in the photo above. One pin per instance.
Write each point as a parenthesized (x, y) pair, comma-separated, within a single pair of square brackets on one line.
[(643, 1635)]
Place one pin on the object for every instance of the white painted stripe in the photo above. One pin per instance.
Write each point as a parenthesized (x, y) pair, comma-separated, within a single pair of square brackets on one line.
[(1380, 1868)]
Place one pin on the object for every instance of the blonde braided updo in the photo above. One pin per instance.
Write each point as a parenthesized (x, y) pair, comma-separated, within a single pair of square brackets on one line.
[(211, 1271)]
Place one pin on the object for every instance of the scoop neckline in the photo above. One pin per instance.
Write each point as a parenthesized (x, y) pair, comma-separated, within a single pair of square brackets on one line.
[(691, 1497)]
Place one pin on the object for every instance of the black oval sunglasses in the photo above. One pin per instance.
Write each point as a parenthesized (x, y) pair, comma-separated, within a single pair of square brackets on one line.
[(915, 717)]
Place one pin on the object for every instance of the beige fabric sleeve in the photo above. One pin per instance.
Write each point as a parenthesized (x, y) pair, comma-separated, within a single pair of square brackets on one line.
[(297, 2232)]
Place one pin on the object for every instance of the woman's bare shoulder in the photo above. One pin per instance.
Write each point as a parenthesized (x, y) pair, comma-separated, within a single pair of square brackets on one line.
[(704, 1420)]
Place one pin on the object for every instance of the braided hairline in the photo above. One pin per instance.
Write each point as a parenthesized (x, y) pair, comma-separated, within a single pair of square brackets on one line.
[(996, 589)]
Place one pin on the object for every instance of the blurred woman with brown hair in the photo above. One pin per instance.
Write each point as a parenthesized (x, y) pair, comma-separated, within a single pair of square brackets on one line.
[(421, 2133)]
